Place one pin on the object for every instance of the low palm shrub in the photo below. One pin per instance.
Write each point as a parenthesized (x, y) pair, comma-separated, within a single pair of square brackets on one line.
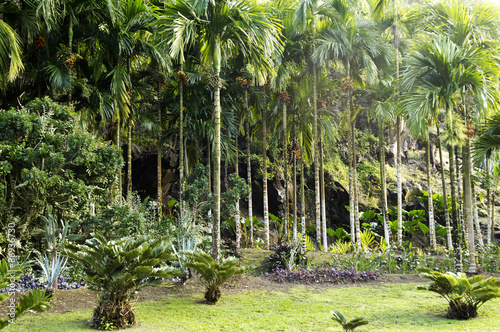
[(348, 326), (117, 269), (34, 300), (213, 273), (464, 295)]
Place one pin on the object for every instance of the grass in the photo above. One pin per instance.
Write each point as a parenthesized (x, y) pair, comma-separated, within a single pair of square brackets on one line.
[(390, 307)]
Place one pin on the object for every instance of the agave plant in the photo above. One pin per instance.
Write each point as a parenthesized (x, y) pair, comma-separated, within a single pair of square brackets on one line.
[(52, 269), (464, 295), (117, 269), (348, 326), (34, 300), (213, 274)]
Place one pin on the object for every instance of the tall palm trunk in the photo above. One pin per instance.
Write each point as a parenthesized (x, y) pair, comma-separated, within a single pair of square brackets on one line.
[(237, 204), (468, 218), (217, 154), (303, 205), (488, 200), (323, 199), (129, 160), (158, 157), (296, 146), (264, 173), (492, 229), (181, 139), (387, 226), (316, 161), (118, 195), (355, 186), (445, 195), (477, 226), (432, 226), (457, 239), (285, 166), (462, 228), (351, 178), (249, 168)]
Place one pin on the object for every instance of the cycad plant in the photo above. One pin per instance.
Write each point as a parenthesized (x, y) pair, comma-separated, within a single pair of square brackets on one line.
[(213, 273), (117, 269), (464, 295), (348, 326)]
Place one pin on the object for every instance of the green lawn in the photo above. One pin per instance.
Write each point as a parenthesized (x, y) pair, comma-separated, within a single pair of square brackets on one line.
[(391, 307)]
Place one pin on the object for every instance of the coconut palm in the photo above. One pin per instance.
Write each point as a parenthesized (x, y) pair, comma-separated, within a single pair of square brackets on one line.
[(222, 27)]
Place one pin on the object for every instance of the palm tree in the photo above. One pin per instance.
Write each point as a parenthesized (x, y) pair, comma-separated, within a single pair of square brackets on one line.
[(355, 44), (222, 27)]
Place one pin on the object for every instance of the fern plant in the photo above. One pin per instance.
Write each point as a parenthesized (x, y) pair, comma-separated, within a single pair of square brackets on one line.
[(464, 295), (213, 274), (117, 269), (35, 300), (348, 326)]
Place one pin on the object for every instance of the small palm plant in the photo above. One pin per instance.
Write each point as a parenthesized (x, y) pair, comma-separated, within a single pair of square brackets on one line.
[(213, 274), (35, 300), (117, 269), (348, 326), (464, 295)]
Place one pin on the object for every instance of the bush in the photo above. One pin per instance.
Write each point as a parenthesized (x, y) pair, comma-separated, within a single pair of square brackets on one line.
[(464, 295), (321, 275), (286, 257), (117, 269)]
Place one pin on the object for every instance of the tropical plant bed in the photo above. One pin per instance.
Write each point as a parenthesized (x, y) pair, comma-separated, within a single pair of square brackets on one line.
[(389, 303)]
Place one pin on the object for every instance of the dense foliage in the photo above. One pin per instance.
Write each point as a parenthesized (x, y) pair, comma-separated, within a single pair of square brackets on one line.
[(321, 275)]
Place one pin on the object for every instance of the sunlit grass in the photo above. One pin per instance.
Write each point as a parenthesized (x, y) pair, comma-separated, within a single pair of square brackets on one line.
[(391, 307)]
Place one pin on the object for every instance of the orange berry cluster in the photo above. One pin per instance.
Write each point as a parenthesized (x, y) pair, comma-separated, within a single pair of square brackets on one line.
[(346, 84), (296, 151), (285, 98), (470, 130), (245, 83), (39, 43), (70, 62), (181, 76), (268, 83)]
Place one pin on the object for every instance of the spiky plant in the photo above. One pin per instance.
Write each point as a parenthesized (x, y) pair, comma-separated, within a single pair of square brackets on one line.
[(213, 274), (464, 295), (35, 300), (348, 326), (116, 269)]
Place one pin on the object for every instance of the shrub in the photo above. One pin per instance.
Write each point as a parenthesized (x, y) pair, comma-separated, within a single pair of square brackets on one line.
[(213, 274), (348, 326), (116, 269), (464, 295), (286, 257), (321, 275), (35, 300)]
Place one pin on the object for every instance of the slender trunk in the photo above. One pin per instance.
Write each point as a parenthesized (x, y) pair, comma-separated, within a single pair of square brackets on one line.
[(468, 206), (129, 161), (303, 205), (323, 199), (476, 217), (387, 226), (264, 173), (285, 167), (432, 226), (296, 145), (445, 195), (355, 187), (180, 80), (118, 196), (457, 239), (70, 49), (249, 169), (237, 204), (463, 230), (351, 178), (488, 202), (217, 171), (492, 230), (314, 149), (158, 158), (399, 182)]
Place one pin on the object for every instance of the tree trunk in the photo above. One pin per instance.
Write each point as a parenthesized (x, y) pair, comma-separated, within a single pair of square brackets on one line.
[(468, 218), (296, 146), (323, 199), (351, 157), (355, 187), (479, 235), (129, 161), (180, 83), (217, 169), (457, 239), (158, 158), (264, 174), (303, 205), (463, 229), (387, 226), (249, 169), (492, 239), (432, 226), (118, 195), (317, 190), (237, 204), (285, 167), (445, 195), (488, 200)]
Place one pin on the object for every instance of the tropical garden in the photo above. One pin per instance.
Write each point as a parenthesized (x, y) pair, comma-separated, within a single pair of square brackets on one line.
[(260, 156)]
